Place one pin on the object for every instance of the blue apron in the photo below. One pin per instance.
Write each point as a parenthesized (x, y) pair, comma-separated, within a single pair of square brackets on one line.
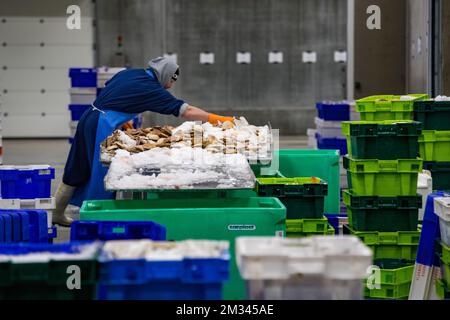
[(108, 121)]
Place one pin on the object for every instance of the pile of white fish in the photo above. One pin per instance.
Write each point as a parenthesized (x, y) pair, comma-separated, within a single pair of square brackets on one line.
[(161, 250)]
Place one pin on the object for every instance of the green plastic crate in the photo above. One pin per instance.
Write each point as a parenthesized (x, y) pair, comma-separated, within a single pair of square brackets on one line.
[(383, 140), (389, 245), (317, 163), (330, 231), (307, 226), (387, 107), (406, 252), (442, 290), (440, 171), (382, 213), (435, 145), (46, 280), (394, 276), (395, 271), (445, 254), (445, 270), (406, 238), (200, 218), (434, 115), (384, 178), (387, 291), (303, 197)]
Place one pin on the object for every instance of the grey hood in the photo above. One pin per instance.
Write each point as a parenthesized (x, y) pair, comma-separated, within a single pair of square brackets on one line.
[(164, 68)]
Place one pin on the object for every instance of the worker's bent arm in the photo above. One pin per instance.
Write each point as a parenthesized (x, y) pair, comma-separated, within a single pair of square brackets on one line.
[(192, 113), (196, 114)]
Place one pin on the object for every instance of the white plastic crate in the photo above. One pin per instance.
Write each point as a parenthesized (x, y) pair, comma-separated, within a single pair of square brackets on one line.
[(305, 288), (442, 209), (424, 188), (312, 141), (73, 128), (37, 203), (329, 129), (104, 74), (322, 267), (264, 258), (83, 95)]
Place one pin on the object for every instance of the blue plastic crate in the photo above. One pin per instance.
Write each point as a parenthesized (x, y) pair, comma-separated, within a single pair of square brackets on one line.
[(430, 231), (24, 248), (332, 144), (26, 182), (38, 226), (2, 229), (184, 279), (15, 227), (116, 230), (161, 291), (23, 226), (52, 234), (333, 220), (333, 111), (77, 110), (7, 228), (83, 77)]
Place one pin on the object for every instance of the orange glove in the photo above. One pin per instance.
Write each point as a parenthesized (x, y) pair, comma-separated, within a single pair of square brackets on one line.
[(127, 125), (214, 118)]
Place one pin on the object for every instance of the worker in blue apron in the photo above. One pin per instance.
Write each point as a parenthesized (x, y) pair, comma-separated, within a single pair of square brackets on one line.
[(127, 94)]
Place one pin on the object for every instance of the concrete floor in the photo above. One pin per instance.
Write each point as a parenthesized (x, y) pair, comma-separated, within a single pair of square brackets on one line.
[(54, 152)]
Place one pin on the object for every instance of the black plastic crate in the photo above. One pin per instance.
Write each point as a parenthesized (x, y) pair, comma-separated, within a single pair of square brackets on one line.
[(440, 171), (434, 115), (384, 214), (304, 198), (383, 140)]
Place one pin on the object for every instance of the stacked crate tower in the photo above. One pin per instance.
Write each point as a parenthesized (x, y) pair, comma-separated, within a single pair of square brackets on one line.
[(328, 125), (25, 204), (434, 141), (382, 202), (83, 92), (87, 84), (304, 199), (434, 144), (328, 132)]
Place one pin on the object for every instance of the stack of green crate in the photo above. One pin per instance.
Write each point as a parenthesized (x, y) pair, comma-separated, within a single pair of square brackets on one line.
[(394, 279), (435, 140), (382, 201), (443, 285), (304, 200)]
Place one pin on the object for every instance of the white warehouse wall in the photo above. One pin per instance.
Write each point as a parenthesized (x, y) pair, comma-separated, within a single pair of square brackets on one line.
[(36, 51)]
